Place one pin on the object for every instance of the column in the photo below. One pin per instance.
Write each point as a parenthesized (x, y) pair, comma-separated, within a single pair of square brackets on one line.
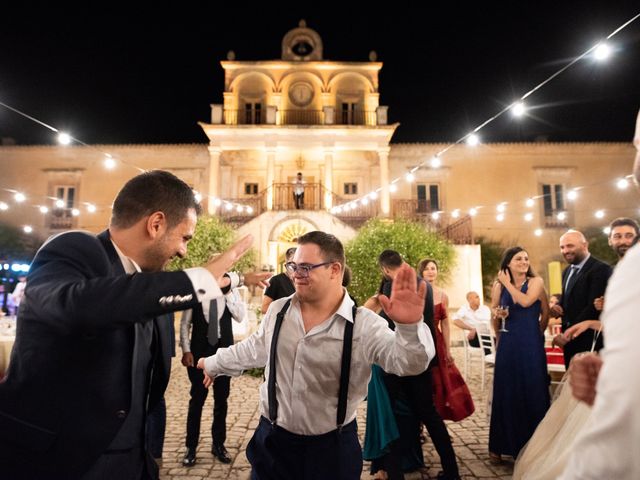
[(328, 179), (385, 201), (271, 171), (214, 178)]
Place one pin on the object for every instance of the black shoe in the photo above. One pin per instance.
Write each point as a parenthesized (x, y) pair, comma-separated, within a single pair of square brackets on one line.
[(221, 453), (443, 476), (189, 459)]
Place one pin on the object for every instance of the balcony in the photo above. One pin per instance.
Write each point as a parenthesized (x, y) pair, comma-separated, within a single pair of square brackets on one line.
[(457, 230), (269, 115), (60, 219)]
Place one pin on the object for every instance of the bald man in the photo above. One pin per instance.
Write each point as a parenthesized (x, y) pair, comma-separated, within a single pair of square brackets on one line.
[(584, 281)]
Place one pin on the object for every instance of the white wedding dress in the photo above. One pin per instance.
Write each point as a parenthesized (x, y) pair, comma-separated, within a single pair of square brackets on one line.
[(546, 454)]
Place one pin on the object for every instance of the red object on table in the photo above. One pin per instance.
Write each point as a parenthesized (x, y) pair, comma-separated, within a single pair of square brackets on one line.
[(554, 355)]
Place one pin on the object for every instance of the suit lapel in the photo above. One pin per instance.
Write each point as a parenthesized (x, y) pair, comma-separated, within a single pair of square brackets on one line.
[(105, 239)]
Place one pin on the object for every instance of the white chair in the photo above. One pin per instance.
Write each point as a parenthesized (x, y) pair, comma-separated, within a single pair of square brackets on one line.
[(469, 353), (487, 343)]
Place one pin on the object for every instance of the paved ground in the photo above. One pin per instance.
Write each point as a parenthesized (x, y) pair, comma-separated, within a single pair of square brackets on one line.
[(469, 437)]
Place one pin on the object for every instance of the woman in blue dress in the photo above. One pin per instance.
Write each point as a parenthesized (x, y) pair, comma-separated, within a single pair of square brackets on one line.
[(521, 381)]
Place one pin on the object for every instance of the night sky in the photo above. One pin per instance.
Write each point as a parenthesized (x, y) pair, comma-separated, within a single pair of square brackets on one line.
[(117, 75)]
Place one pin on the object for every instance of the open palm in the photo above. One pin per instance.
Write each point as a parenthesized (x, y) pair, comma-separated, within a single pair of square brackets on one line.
[(406, 304)]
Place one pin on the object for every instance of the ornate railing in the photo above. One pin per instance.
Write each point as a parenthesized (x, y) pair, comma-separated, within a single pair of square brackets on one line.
[(300, 117)]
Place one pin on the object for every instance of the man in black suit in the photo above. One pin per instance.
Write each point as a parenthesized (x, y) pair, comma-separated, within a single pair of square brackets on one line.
[(584, 281), (416, 390), (211, 329), (87, 363)]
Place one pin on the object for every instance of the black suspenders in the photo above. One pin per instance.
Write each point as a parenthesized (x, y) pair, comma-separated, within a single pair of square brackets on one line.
[(345, 367)]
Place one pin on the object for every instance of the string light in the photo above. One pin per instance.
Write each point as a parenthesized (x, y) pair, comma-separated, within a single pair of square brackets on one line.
[(537, 232), (530, 202), (19, 197), (43, 209), (435, 215), (435, 162), (622, 184), (91, 208), (27, 229), (59, 203), (501, 207), (572, 194), (473, 140), (561, 216), (64, 138), (393, 188), (109, 163), (4, 206), (599, 214), (519, 106), (410, 177), (528, 217), (602, 51), (518, 109), (606, 230), (500, 217), (473, 212), (455, 213)]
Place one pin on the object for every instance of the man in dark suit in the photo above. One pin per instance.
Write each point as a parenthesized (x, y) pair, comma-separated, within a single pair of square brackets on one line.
[(87, 363), (211, 329), (416, 390), (584, 281)]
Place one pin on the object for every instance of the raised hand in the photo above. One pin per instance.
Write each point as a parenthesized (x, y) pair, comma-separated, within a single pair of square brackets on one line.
[(260, 279), (223, 262), (406, 304)]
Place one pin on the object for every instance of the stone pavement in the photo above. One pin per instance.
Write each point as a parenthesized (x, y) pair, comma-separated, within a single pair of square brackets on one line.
[(470, 437)]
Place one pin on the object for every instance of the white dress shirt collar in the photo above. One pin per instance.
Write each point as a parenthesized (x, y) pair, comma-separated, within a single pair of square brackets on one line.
[(129, 265)]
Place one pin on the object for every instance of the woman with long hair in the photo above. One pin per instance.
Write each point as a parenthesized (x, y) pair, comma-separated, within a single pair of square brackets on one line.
[(521, 381), (451, 395)]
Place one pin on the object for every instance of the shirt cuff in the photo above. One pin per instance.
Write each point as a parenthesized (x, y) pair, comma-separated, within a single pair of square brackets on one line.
[(204, 284), (407, 331), (235, 280)]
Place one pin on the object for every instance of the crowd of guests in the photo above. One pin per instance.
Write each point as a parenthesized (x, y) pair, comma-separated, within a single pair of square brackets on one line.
[(100, 309)]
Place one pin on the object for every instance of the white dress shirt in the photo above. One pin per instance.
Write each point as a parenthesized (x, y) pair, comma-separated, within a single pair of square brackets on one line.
[(478, 319), (308, 364), (608, 447), (231, 300)]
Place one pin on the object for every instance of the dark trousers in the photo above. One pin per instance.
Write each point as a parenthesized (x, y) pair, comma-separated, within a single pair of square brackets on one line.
[(417, 392), (277, 454), (198, 396), (299, 200), (156, 425)]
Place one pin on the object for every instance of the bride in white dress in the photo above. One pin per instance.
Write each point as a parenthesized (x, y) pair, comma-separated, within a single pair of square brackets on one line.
[(546, 454)]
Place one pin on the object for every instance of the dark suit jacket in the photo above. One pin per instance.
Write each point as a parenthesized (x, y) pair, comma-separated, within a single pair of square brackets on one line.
[(578, 302), (68, 388), (427, 314)]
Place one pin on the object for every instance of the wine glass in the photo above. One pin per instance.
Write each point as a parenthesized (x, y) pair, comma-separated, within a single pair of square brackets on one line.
[(502, 312)]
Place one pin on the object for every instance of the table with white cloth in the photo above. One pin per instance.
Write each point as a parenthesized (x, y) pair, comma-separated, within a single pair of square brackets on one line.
[(7, 338)]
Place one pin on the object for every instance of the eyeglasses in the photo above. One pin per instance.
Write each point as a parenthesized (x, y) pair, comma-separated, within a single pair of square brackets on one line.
[(303, 269)]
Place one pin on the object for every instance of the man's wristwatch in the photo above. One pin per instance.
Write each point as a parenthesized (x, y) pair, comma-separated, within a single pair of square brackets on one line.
[(240, 279)]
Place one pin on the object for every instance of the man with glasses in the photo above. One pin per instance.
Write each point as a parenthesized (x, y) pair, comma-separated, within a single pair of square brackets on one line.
[(318, 348)]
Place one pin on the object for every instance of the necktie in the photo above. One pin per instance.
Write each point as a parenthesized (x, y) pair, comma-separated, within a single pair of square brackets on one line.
[(571, 279), (212, 331)]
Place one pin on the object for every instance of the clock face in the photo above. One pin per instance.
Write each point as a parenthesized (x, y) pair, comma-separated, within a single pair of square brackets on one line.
[(301, 94)]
